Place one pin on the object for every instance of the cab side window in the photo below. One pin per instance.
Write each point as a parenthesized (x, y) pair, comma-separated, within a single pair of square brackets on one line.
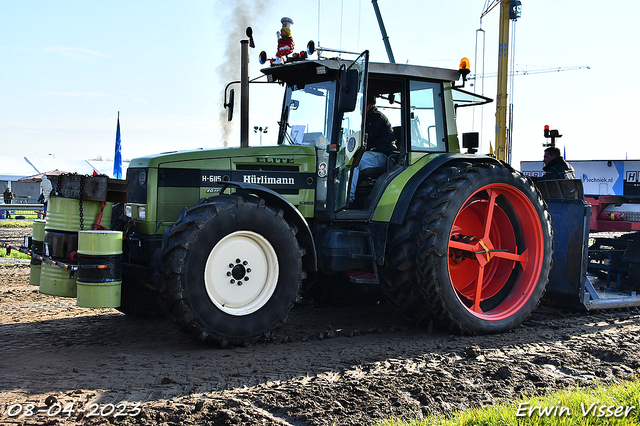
[(390, 105), (426, 117)]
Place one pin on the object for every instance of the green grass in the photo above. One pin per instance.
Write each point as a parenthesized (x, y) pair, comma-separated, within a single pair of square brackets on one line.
[(13, 223), (28, 215), (14, 254), (575, 407)]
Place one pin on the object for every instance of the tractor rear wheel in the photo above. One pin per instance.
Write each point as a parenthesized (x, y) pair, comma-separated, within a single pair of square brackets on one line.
[(484, 248), (400, 281), (231, 270)]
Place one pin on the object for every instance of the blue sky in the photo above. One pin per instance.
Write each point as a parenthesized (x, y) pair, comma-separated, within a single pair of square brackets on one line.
[(67, 67)]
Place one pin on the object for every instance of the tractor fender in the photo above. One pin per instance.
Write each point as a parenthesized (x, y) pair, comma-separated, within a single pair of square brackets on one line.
[(407, 193), (291, 214)]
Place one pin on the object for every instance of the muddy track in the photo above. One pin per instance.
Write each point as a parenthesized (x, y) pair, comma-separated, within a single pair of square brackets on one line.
[(343, 365)]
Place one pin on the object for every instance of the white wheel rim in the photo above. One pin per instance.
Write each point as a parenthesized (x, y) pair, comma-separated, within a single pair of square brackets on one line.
[(241, 273)]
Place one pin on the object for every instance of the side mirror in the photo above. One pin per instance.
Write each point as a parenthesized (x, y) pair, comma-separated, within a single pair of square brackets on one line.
[(229, 105), (348, 90), (249, 33)]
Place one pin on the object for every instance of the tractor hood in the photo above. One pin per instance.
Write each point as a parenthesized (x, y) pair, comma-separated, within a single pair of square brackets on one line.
[(202, 155)]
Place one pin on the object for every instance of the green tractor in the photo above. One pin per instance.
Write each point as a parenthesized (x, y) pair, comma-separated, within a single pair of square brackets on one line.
[(228, 239)]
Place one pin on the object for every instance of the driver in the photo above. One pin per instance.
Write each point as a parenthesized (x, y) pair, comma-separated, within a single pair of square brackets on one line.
[(380, 143)]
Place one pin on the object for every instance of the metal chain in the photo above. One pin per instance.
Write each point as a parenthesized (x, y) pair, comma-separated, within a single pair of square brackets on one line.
[(81, 207), (57, 193)]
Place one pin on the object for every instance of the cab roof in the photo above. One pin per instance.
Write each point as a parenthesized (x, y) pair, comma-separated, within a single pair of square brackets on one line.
[(311, 71)]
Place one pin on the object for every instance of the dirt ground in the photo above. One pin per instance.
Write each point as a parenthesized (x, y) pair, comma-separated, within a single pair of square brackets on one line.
[(349, 365)]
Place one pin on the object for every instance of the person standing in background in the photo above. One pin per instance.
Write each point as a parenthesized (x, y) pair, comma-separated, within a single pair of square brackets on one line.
[(8, 199), (46, 187)]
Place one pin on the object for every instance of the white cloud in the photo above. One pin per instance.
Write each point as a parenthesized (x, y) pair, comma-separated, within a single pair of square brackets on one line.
[(76, 52), (80, 94)]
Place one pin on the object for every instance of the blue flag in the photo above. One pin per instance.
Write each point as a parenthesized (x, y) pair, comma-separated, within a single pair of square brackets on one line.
[(117, 160)]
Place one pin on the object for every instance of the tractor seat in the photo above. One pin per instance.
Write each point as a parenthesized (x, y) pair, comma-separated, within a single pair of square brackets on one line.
[(375, 172), (371, 174), (368, 177)]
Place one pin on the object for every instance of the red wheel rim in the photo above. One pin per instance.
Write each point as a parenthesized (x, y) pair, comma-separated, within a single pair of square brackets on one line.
[(495, 245)]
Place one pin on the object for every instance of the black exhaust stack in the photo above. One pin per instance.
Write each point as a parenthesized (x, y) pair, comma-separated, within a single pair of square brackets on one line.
[(244, 87), (244, 93)]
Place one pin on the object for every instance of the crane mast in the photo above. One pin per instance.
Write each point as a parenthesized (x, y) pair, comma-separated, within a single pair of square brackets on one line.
[(385, 37), (509, 10), (503, 75)]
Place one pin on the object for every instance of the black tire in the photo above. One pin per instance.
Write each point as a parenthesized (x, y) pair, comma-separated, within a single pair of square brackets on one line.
[(207, 288), (455, 237), (400, 281)]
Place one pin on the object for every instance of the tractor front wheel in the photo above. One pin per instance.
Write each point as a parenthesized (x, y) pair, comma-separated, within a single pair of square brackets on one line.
[(231, 270)]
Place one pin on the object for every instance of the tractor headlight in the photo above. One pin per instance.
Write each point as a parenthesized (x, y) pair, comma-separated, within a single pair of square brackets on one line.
[(142, 177), (127, 211), (142, 212)]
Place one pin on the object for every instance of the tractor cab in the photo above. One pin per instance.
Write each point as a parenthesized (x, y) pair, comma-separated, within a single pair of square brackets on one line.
[(325, 106)]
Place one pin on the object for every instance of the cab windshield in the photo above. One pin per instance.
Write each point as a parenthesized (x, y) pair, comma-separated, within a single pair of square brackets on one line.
[(308, 114)]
